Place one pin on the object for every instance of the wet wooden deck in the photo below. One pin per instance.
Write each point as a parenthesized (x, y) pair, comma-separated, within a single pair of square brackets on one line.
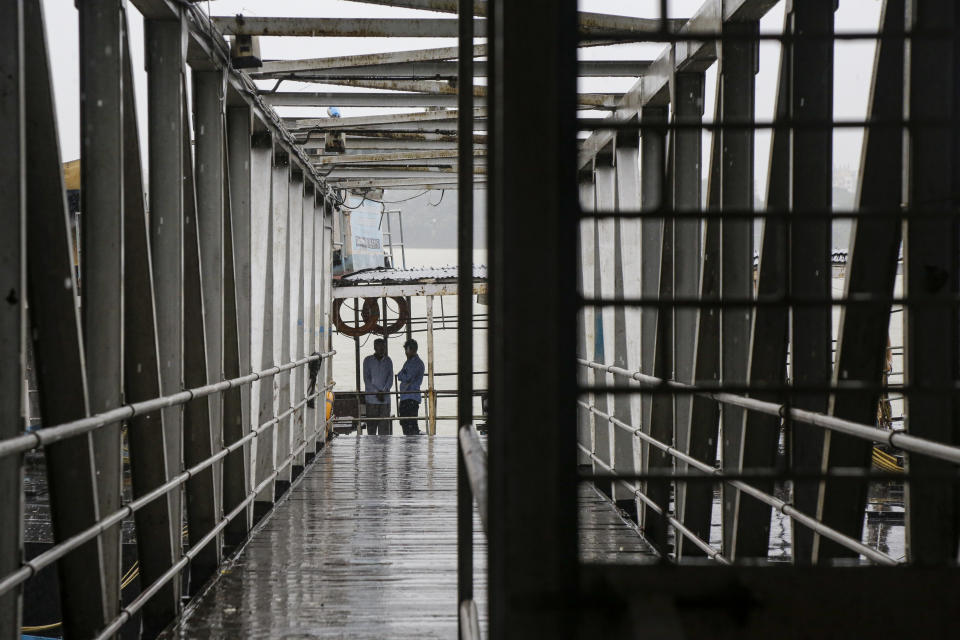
[(364, 546)]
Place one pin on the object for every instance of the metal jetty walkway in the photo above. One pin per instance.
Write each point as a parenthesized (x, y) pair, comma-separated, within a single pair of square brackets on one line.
[(365, 546)]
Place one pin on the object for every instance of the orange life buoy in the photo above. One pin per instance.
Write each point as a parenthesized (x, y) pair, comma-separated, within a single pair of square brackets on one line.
[(403, 310), (370, 314)]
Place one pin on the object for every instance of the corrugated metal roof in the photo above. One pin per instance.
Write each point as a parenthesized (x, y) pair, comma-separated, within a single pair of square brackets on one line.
[(447, 273)]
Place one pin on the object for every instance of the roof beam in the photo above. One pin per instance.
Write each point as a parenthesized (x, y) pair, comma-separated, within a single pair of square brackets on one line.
[(376, 145), (386, 119), (404, 100), (303, 71), (592, 25), (405, 183), (364, 60), (362, 158)]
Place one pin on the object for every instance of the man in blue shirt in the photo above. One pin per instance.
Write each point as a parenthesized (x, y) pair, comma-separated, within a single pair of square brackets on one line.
[(378, 380), (411, 377)]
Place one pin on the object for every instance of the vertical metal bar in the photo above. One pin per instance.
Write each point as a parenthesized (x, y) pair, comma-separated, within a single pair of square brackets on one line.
[(285, 429), (738, 66), (239, 166), (101, 193), (810, 239), (57, 346), (201, 437), (871, 269), (930, 256), (585, 257), (625, 233), (165, 67), (146, 433), (464, 295), (687, 91), (316, 235), (768, 339), (656, 280), (306, 230), (431, 389), (533, 570), (270, 175), (209, 93), (696, 510), (236, 469), (605, 192), (13, 288)]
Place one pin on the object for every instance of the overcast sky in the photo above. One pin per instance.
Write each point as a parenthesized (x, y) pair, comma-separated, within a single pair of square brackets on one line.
[(854, 59)]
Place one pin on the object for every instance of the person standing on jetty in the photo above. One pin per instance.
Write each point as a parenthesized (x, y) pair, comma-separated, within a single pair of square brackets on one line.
[(411, 377), (378, 380)]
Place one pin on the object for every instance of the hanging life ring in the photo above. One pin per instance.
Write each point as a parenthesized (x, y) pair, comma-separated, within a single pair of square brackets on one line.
[(403, 310), (370, 314)]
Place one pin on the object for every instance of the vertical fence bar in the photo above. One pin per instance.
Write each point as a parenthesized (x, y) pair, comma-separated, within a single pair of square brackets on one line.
[(201, 436), (464, 296), (656, 281), (306, 206), (871, 269), (316, 235), (768, 337), (738, 66), (431, 389), (930, 257), (625, 234), (101, 194), (810, 239), (57, 345), (533, 553), (145, 433), (687, 91), (13, 288), (292, 202), (165, 68)]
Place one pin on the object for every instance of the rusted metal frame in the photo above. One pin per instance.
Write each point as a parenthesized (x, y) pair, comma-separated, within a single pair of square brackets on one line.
[(696, 509), (270, 171), (687, 98), (201, 436), (605, 194), (236, 466), (209, 102), (57, 345), (930, 256), (164, 43), (736, 75), (101, 194), (291, 212), (468, 484), (768, 340), (656, 279), (626, 234), (871, 269), (14, 287), (363, 60), (585, 330), (145, 433), (810, 273)]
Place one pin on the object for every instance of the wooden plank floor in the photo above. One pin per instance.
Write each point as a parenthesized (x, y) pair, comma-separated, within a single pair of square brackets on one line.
[(364, 546)]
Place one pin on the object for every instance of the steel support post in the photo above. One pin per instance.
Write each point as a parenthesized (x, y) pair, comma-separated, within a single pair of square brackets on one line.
[(269, 173), (871, 270), (201, 436), (316, 236), (239, 167), (101, 193), (738, 66), (533, 566), (145, 433), (209, 96), (605, 193), (291, 226), (165, 44), (585, 258), (656, 246), (768, 339), (57, 344), (236, 469), (696, 509), (13, 287), (431, 388), (811, 169), (687, 97), (303, 282), (930, 256), (625, 249), (465, 243)]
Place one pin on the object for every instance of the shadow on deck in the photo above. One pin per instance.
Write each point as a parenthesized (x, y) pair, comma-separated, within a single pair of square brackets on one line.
[(364, 546)]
